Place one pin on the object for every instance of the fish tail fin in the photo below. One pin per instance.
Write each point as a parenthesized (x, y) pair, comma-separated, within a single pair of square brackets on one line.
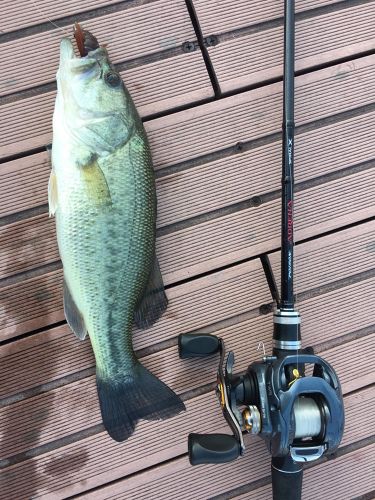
[(128, 398)]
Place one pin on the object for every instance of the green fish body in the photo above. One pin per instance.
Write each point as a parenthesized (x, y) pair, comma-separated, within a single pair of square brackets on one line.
[(102, 192)]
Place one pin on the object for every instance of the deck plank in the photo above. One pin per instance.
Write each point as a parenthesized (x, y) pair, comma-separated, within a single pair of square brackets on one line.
[(96, 459), (347, 477), (257, 113), (18, 14), (167, 78), (224, 181), (246, 59), (155, 87), (198, 245), (40, 360), (245, 117), (218, 179), (225, 16), (168, 478), (58, 413), (201, 247), (213, 298), (155, 26), (323, 151)]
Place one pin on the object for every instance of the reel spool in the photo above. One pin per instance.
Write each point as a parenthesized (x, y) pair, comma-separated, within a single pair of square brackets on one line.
[(308, 418)]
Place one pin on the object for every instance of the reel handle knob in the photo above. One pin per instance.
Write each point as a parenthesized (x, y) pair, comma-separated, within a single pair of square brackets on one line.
[(197, 345), (212, 448), (286, 478)]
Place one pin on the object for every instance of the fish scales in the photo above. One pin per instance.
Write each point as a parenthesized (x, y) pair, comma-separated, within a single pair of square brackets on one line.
[(102, 192), (110, 252)]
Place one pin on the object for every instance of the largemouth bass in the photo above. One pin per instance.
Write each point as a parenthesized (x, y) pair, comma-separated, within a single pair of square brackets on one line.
[(102, 192)]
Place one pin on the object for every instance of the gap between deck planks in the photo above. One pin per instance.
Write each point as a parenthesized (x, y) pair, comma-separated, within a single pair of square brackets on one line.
[(16, 14), (166, 479), (157, 70), (319, 295), (197, 245), (226, 180), (340, 356), (346, 477), (69, 471), (141, 80), (323, 35), (157, 26), (221, 299)]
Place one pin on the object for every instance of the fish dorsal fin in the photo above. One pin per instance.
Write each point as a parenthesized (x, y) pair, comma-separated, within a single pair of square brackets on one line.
[(154, 300), (52, 193), (72, 315)]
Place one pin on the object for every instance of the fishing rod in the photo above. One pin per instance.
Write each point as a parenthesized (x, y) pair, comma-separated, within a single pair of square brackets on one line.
[(292, 399)]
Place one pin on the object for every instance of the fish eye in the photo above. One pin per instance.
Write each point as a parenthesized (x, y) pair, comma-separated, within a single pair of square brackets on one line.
[(112, 79)]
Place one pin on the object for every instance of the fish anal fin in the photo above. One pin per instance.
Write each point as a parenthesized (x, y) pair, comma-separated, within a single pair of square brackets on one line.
[(154, 300), (52, 193), (95, 184), (73, 316)]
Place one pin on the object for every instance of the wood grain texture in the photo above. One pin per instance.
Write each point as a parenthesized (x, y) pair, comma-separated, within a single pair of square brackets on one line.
[(93, 460), (257, 113), (198, 248), (205, 129), (250, 58), (167, 479), (347, 477), (56, 413), (194, 191), (155, 26), (18, 14), (155, 87), (215, 183), (60, 412), (218, 179), (224, 16), (192, 306)]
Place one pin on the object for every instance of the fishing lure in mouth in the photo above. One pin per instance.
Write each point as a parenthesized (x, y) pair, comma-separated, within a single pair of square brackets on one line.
[(86, 41)]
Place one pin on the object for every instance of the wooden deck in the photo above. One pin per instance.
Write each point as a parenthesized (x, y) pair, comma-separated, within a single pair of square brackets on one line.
[(206, 78)]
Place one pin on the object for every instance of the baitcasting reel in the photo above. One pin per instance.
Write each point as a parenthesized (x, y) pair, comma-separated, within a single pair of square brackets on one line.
[(299, 416)]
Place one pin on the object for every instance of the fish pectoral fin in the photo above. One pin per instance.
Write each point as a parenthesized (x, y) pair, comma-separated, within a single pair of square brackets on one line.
[(95, 183), (52, 193), (154, 300), (73, 316)]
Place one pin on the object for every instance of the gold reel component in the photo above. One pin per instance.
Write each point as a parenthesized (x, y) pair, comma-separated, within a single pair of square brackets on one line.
[(251, 419), (220, 393)]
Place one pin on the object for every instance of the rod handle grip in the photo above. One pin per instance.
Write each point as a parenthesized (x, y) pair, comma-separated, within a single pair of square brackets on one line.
[(197, 345), (286, 479), (212, 448)]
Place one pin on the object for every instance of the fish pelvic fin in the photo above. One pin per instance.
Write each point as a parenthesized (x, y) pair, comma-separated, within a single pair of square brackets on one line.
[(127, 398)]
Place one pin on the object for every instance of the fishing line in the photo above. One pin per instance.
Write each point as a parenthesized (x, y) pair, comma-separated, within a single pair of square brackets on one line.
[(50, 20)]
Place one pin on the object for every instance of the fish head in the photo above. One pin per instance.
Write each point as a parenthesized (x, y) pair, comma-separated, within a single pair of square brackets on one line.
[(96, 105)]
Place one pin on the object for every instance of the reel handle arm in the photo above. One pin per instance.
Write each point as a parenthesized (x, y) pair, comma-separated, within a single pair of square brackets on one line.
[(286, 478), (212, 448)]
